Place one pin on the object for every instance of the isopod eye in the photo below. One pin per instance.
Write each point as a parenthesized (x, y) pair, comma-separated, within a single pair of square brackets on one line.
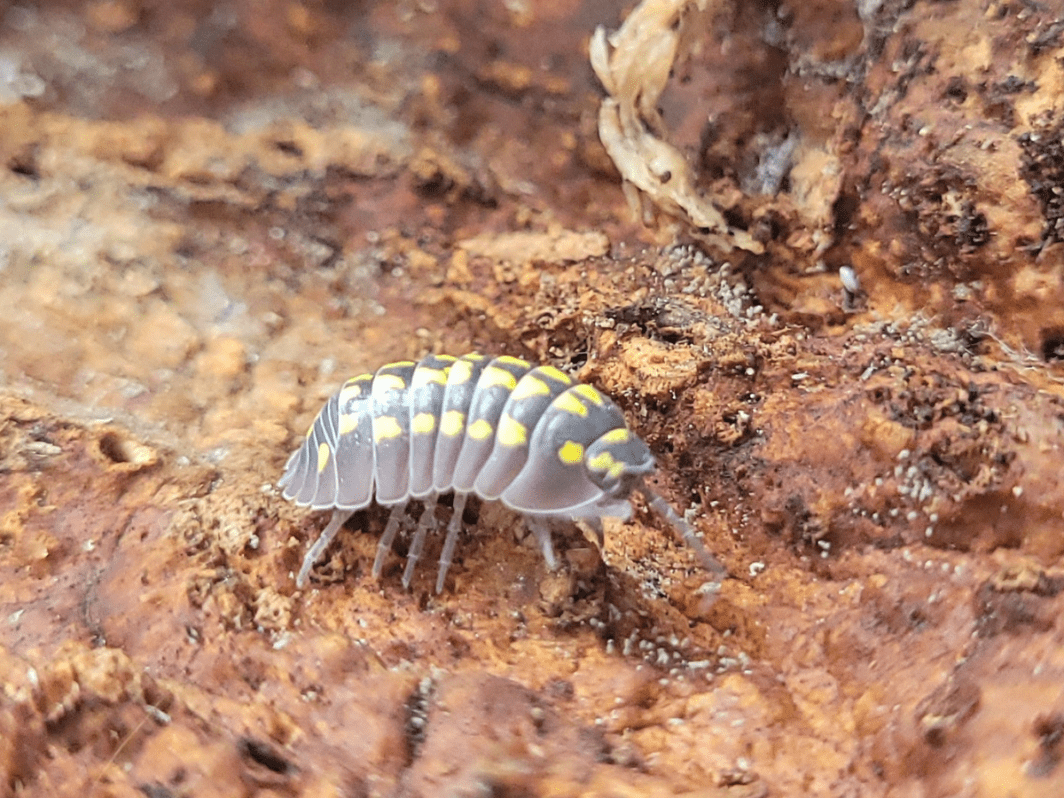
[(616, 460)]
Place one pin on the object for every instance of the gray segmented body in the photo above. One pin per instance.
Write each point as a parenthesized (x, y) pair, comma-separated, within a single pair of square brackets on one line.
[(502, 429)]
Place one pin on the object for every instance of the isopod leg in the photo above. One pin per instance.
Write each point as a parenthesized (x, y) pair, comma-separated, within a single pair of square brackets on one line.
[(686, 532), (321, 544), (426, 523), (453, 528), (390, 530), (595, 525), (541, 530)]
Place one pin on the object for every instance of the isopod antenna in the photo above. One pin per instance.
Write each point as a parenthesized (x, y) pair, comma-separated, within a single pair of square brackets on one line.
[(686, 532)]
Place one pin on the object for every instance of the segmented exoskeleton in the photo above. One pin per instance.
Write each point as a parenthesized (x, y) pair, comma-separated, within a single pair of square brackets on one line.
[(502, 429)]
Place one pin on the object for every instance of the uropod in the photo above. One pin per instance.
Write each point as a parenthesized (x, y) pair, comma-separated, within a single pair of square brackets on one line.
[(503, 429)]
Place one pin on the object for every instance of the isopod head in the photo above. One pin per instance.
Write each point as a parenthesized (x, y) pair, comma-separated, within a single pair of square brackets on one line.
[(617, 462)]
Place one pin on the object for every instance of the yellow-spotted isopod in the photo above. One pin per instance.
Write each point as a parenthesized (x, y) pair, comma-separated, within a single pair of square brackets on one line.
[(503, 429)]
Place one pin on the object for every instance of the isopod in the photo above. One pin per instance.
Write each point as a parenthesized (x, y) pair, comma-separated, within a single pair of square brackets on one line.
[(502, 429)]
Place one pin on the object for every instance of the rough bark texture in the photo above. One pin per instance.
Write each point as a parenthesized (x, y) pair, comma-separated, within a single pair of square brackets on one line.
[(213, 213)]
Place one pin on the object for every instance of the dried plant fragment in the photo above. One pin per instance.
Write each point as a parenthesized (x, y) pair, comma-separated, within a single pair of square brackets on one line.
[(634, 64)]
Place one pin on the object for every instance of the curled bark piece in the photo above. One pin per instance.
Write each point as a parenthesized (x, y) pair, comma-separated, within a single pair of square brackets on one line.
[(634, 64)]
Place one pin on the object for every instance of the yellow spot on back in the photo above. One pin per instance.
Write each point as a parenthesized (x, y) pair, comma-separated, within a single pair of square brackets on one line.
[(473, 356), (460, 372), (389, 382), (423, 423), (348, 423), (511, 432), (601, 462), (453, 423), (552, 373), (355, 388), (385, 428), (399, 364), (568, 403), (513, 361), (571, 453), (619, 435), (493, 376), (616, 470), (426, 375), (480, 429), (530, 386), (589, 393), (323, 456)]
